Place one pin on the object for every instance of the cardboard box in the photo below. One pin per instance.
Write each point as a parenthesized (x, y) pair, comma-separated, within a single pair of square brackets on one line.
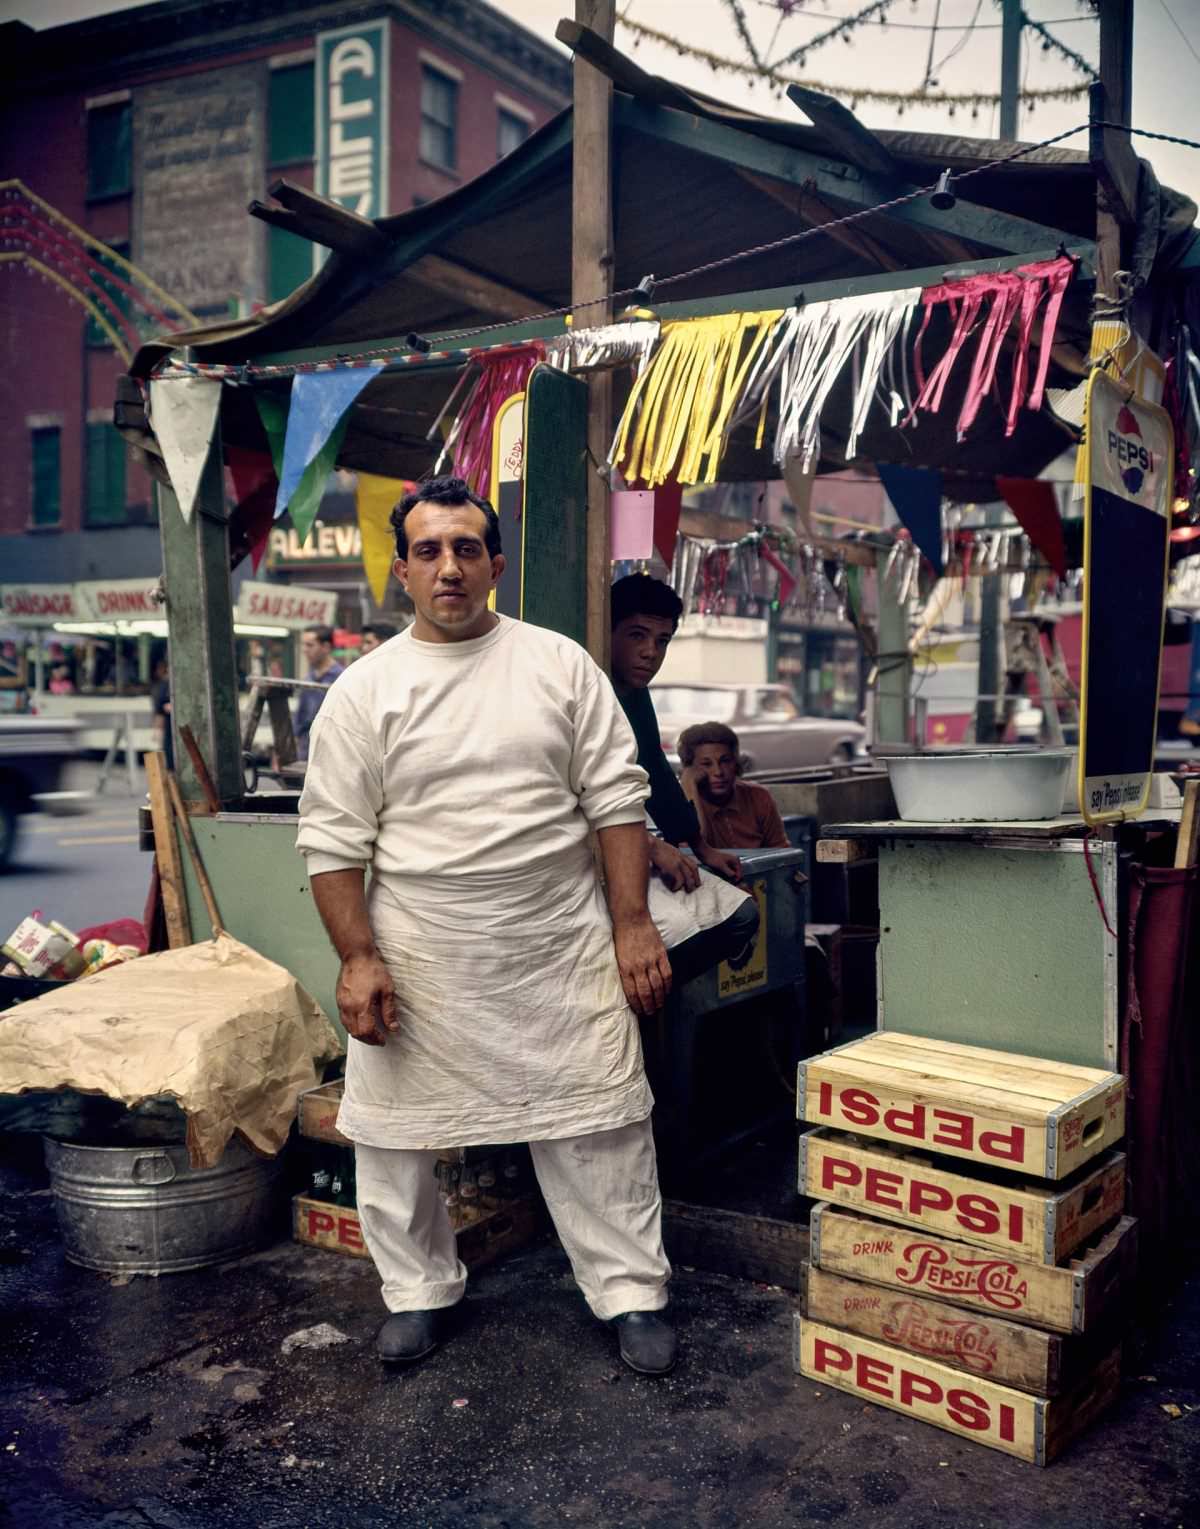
[(1019, 1113), (976, 1342), (1028, 1427), (1078, 1296), (1036, 1222), (337, 1229)]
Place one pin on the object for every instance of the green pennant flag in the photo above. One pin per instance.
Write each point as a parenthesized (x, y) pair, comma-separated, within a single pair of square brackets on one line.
[(306, 500)]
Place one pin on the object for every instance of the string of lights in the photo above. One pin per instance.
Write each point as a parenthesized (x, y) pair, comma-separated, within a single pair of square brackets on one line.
[(853, 95)]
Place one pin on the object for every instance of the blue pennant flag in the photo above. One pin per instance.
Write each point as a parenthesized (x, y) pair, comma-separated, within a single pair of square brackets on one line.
[(916, 494), (319, 402)]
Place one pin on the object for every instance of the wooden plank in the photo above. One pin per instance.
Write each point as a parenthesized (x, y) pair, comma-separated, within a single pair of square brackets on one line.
[(843, 132), (472, 288), (1027, 1220), (729, 1242), (1187, 846), (979, 1343), (212, 802), (592, 264), (843, 851), (1027, 1427), (166, 852), (1079, 1296), (1113, 161), (1010, 1113)]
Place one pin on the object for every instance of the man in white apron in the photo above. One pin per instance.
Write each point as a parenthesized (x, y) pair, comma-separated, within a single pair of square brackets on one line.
[(489, 993)]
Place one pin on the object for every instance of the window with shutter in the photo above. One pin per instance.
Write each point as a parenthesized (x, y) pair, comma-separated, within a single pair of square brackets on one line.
[(110, 150), (512, 132), (96, 338), (105, 476), (46, 509), (289, 262), (291, 116), (439, 119)]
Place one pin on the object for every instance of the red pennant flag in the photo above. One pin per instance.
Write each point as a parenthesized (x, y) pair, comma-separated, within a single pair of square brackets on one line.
[(787, 580), (1036, 509), (252, 474)]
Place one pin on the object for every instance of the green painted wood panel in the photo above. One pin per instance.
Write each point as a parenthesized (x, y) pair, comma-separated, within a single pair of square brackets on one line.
[(555, 515), (261, 889), (997, 947)]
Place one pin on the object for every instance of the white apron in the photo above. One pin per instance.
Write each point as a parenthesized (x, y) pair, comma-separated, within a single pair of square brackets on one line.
[(513, 1021)]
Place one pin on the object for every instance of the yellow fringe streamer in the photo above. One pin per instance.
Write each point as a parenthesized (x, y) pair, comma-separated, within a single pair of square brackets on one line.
[(674, 423)]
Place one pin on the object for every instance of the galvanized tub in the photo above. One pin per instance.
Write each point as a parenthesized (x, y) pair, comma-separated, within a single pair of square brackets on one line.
[(143, 1209), (1003, 784)]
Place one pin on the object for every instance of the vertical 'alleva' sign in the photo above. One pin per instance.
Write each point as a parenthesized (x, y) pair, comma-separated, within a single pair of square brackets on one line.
[(352, 118)]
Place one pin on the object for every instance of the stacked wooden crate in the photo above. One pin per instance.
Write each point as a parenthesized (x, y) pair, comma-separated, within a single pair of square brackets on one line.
[(969, 1259), (500, 1214)]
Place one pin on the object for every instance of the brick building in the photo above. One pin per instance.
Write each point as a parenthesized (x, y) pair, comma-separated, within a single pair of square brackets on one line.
[(152, 129)]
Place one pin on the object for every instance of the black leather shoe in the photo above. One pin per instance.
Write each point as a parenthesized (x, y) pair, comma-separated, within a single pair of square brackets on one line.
[(407, 1336), (647, 1342)]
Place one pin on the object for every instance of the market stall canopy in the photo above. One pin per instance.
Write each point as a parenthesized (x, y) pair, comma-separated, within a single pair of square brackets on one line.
[(694, 182)]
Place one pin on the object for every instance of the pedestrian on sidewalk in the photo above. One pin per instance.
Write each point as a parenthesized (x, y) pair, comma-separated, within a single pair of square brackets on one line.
[(316, 643)]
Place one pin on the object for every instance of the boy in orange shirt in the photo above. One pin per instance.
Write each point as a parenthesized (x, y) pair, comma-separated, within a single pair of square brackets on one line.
[(734, 814)]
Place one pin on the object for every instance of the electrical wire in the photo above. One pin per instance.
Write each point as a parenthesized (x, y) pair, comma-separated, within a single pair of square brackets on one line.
[(439, 341), (937, 14), (924, 26), (1186, 39), (962, 41)]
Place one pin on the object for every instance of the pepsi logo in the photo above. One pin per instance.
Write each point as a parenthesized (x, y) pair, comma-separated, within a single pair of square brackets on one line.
[(1134, 460)]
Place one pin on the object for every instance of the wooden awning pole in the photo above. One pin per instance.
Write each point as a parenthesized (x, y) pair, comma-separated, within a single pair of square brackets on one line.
[(592, 265)]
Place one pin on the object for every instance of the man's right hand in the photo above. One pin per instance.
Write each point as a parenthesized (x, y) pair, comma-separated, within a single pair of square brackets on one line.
[(366, 999), (643, 963)]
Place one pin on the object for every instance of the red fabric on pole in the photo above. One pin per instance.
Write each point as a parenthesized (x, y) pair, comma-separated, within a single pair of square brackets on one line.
[(787, 579), (252, 475), (1036, 509), (1158, 1042), (668, 505)]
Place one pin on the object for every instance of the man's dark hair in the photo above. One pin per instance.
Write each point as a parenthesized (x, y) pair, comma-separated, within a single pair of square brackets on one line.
[(384, 630), (451, 491), (321, 633), (706, 732), (637, 594)]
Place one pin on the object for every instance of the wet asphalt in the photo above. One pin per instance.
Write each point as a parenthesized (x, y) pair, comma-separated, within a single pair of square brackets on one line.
[(170, 1403)]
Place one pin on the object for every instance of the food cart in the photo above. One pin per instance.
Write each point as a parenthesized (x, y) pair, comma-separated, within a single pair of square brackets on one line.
[(427, 323)]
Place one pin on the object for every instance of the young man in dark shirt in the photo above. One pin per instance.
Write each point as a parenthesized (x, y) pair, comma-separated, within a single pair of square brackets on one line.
[(645, 614)]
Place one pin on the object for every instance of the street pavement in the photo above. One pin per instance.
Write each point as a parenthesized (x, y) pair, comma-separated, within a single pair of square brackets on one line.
[(177, 1403), (83, 869)]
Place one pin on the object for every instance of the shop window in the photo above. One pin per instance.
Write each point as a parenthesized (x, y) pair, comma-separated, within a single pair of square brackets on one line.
[(105, 476), (289, 262), (96, 338), (512, 133), (110, 150), (439, 119), (47, 475), (291, 116)]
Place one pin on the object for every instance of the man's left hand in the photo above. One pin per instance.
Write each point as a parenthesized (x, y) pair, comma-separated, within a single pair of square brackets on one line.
[(678, 871), (723, 861), (644, 966)]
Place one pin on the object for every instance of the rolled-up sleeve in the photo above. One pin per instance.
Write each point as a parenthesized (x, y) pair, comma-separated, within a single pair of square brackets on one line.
[(342, 798), (611, 786)]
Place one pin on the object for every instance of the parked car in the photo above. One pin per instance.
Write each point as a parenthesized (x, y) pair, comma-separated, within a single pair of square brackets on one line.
[(33, 753), (773, 732)]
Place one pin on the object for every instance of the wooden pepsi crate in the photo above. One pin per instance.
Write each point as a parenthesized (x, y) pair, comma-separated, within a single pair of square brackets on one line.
[(1080, 1295), (977, 1342), (1027, 1219), (1019, 1113), (973, 1407)]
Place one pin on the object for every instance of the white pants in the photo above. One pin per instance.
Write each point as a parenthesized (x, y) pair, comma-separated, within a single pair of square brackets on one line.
[(602, 1192)]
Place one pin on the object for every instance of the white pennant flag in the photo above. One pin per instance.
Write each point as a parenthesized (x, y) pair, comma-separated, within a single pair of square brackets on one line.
[(183, 414)]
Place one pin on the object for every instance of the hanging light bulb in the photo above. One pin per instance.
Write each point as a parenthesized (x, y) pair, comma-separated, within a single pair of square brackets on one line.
[(943, 197)]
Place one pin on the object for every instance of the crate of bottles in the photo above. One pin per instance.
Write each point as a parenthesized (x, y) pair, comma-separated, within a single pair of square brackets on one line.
[(491, 1200)]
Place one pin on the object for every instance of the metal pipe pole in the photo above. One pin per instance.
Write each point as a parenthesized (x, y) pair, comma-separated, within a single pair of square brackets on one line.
[(1010, 68)]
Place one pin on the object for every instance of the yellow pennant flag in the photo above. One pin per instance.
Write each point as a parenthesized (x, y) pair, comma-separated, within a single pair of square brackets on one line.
[(377, 498)]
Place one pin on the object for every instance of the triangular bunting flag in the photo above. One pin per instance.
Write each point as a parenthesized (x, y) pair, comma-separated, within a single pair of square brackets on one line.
[(377, 498), (273, 413), (316, 423), (916, 494), (183, 412), (668, 505), (1036, 508), (254, 484)]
